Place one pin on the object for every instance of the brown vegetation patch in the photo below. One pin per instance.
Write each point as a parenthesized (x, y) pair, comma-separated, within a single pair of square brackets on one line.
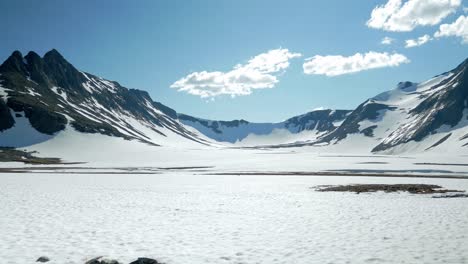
[(388, 188)]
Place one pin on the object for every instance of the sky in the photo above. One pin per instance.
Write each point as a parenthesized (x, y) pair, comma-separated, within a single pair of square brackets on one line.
[(259, 60)]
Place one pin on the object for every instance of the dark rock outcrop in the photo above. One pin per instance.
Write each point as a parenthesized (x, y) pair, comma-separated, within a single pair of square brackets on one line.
[(368, 110), (43, 259), (6, 119), (145, 261)]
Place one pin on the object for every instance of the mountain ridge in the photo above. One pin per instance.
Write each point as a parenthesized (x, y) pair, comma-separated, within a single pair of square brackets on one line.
[(319, 121), (49, 94)]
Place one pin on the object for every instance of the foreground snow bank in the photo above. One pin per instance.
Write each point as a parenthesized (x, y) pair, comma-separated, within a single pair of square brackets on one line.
[(184, 218)]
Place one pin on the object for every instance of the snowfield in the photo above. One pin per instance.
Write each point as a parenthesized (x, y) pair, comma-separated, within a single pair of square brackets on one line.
[(100, 151), (187, 218)]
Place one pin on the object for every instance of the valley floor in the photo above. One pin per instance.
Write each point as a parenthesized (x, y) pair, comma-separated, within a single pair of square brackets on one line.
[(178, 217), (193, 204)]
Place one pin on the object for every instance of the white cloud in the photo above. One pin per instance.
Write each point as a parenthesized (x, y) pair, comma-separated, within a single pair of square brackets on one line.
[(338, 65), (459, 28), (258, 73), (387, 41), (465, 9), (410, 43), (398, 16)]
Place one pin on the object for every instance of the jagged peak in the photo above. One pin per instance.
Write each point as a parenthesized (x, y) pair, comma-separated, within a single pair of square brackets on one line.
[(15, 62), (16, 54), (54, 57), (53, 53), (32, 57), (32, 54)]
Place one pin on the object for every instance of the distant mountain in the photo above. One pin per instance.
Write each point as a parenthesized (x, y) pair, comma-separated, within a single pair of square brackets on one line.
[(42, 95), (413, 116), (318, 122)]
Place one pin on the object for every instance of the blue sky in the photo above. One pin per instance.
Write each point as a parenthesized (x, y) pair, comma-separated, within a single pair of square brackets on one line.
[(151, 44)]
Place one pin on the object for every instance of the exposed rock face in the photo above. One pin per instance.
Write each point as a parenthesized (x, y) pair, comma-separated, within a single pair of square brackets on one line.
[(6, 120), (320, 120), (368, 110)]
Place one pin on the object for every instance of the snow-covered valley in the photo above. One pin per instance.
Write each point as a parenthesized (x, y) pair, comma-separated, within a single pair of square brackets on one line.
[(186, 218), (102, 170)]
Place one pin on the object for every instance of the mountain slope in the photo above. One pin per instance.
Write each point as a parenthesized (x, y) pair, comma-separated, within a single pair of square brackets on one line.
[(52, 94), (422, 115)]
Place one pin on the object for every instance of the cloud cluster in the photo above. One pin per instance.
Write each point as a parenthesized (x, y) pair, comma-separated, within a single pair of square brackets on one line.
[(410, 43), (387, 41), (459, 28), (398, 16), (258, 73), (338, 65)]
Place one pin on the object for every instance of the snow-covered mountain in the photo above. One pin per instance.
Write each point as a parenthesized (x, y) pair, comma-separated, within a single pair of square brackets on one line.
[(412, 117), (303, 127), (41, 96)]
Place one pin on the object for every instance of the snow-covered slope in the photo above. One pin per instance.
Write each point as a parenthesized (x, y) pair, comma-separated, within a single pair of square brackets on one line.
[(430, 116), (299, 128), (40, 97)]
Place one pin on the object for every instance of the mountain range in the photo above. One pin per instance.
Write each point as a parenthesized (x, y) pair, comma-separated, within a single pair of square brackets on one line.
[(43, 96)]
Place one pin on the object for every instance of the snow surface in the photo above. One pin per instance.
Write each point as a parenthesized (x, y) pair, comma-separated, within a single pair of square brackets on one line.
[(183, 218), (60, 92), (97, 85), (99, 151), (3, 92), (278, 136)]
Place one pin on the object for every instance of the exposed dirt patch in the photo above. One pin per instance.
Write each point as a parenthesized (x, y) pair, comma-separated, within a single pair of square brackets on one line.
[(16, 155), (388, 188)]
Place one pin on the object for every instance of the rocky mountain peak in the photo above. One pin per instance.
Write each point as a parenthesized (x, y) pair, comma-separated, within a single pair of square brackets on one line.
[(14, 63), (52, 94), (53, 56)]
